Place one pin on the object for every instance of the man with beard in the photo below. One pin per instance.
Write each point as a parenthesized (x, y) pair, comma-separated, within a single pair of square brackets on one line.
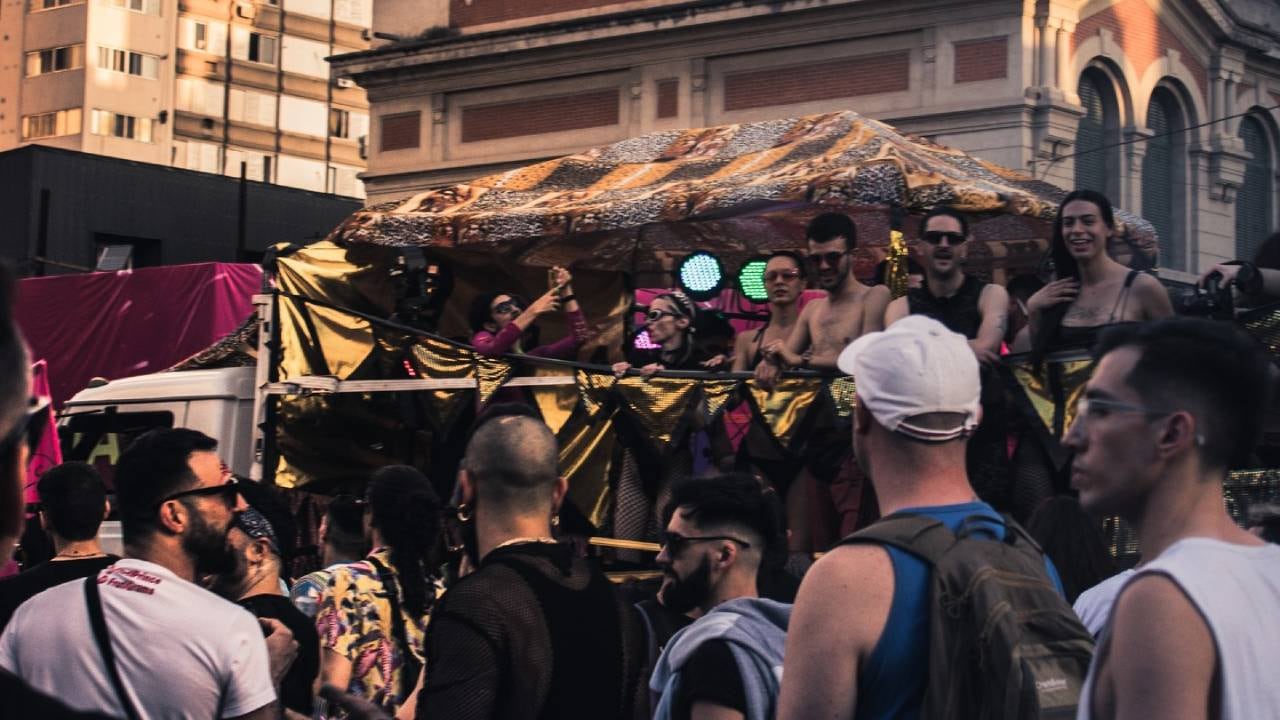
[(1169, 408), (728, 663), (144, 640), (826, 325), (255, 585), (980, 312)]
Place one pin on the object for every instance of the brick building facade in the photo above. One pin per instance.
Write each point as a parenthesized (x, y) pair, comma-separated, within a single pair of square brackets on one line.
[(1169, 106)]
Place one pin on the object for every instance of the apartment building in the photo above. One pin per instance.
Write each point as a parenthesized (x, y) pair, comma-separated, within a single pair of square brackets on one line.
[(218, 86)]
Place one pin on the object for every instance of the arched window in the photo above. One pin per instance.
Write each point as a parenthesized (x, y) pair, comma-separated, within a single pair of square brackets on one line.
[(1253, 202), (1164, 178), (1098, 168)]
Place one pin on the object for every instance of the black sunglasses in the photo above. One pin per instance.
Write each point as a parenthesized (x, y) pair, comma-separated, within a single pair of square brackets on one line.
[(506, 306), (830, 258), (227, 491), (675, 543), (655, 314), (935, 237), (30, 429)]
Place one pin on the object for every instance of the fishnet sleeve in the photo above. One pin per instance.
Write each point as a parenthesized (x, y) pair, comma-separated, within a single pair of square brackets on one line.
[(462, 675)]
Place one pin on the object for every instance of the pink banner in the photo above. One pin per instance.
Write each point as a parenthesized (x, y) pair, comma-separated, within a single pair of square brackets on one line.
[(127, 323), (49, 453)]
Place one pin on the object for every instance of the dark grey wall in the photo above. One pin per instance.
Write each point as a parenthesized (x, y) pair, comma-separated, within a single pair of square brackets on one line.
[(192, 216)]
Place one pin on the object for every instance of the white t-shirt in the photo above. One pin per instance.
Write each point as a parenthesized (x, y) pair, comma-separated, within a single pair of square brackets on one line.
[(1093, 607), (182, 651)]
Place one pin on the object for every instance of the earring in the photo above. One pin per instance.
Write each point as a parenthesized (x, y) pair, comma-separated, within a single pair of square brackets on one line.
[(555, 520), (465, 513)]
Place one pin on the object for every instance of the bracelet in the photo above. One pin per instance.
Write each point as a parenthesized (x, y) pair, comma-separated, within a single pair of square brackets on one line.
[(567, 298)]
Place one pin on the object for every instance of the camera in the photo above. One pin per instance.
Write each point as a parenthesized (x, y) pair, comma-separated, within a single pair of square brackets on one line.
[(1211, 301)]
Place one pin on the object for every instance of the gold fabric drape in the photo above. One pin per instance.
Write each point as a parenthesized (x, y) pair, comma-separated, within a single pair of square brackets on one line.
[(784, 407)]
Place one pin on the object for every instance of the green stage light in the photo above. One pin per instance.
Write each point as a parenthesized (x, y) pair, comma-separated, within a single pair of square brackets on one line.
[(751, 280), (701, 275)]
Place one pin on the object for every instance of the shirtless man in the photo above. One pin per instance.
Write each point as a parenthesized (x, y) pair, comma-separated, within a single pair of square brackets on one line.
[(827, 324), (784, 279)]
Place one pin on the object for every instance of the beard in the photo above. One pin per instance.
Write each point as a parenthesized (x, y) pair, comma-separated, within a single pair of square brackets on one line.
[(209, 549), (681, 595)]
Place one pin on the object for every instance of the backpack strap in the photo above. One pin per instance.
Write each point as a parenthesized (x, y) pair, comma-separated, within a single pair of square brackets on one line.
[(924, 537), (411, 668), (99, 623)]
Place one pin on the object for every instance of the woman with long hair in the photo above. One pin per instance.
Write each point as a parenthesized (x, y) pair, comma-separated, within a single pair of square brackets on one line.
[(1090, 290), (373, 617)]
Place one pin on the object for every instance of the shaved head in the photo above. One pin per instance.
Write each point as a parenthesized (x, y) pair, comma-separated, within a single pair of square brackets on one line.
[(514, 462)]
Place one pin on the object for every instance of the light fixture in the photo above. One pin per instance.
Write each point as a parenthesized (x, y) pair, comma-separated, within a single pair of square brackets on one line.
[(751, 280), (700, 275)]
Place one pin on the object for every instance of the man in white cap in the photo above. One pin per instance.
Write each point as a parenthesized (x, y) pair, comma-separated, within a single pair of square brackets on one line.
[(859, 634)]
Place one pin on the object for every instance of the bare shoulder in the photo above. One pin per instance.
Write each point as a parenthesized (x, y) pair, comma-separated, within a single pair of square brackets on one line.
[(846, 572), (814, 307), (896, 310), (877, 294), (1153, 296), (993, 292), (1148, 603)]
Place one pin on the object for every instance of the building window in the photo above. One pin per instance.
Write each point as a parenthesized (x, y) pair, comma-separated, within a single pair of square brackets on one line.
[(1254, 208), (129, 63), (42, 62), (1163, 178), (262, 48), (401, 131), (105, 122), (146, 7), (199, 96), (52, 124), (38, 5), (1097, 151), (339, 123), (252, 107)]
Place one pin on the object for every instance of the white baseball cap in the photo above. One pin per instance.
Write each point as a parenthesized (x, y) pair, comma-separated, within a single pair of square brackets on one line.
[(915, 367)]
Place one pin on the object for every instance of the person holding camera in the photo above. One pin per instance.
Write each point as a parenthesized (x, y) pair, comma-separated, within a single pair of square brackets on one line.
[(503, 321), (1257, 281)]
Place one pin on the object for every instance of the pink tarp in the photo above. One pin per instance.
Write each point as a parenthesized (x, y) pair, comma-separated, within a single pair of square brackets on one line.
[(132, 322)]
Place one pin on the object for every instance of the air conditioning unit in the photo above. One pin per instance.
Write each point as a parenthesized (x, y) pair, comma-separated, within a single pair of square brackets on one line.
[(246, 10), (344, 82)]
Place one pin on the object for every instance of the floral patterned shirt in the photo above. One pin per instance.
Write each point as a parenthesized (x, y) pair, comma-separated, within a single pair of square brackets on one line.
[(354, 620)]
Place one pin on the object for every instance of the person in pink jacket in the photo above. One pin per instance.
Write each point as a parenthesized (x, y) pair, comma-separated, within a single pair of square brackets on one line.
[(502, 321)]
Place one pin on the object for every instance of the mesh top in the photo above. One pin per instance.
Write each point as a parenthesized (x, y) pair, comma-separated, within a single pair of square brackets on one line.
[(533, 633)]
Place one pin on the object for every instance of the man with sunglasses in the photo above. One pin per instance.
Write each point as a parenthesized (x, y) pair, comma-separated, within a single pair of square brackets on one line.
[(980, 312), (727, 663), (145, 640), (1171, 406)]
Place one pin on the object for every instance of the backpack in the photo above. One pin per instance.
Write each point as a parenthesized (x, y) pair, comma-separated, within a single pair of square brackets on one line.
[(1003, 643)]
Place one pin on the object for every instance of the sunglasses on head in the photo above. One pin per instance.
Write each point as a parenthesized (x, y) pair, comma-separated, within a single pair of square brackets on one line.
[(506, 306), (829, 258), (29, 429), (655, 314), (675, 543), (935, 237), (227, 491), (774, 275)]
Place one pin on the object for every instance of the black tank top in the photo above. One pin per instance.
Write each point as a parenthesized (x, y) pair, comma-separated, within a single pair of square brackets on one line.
[(959, 312)]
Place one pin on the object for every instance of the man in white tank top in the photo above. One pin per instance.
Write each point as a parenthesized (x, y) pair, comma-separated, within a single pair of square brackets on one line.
[(1194, 632)]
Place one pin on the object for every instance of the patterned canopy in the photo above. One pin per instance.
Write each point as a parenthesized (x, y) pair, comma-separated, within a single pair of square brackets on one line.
[(737, 190)]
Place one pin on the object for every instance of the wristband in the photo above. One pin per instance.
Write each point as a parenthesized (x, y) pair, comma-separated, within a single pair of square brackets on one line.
[(567, 298)]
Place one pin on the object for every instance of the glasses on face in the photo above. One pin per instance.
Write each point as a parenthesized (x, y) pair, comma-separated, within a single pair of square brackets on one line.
[(775, 275), (655, 314), (675, 543), (227, 491), (29, 429), (829, 258), (935, 237), (505, 307), (1097, 408)]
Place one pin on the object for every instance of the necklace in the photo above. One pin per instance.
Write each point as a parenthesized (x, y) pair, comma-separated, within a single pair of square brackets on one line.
[(523, 540), (78, 555)]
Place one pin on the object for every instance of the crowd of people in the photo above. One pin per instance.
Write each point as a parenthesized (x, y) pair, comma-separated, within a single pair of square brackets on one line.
[(474, 606)]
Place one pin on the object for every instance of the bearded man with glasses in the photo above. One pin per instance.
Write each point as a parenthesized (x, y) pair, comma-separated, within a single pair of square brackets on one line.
[(142, 639), (727, 664), (980, 312)]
